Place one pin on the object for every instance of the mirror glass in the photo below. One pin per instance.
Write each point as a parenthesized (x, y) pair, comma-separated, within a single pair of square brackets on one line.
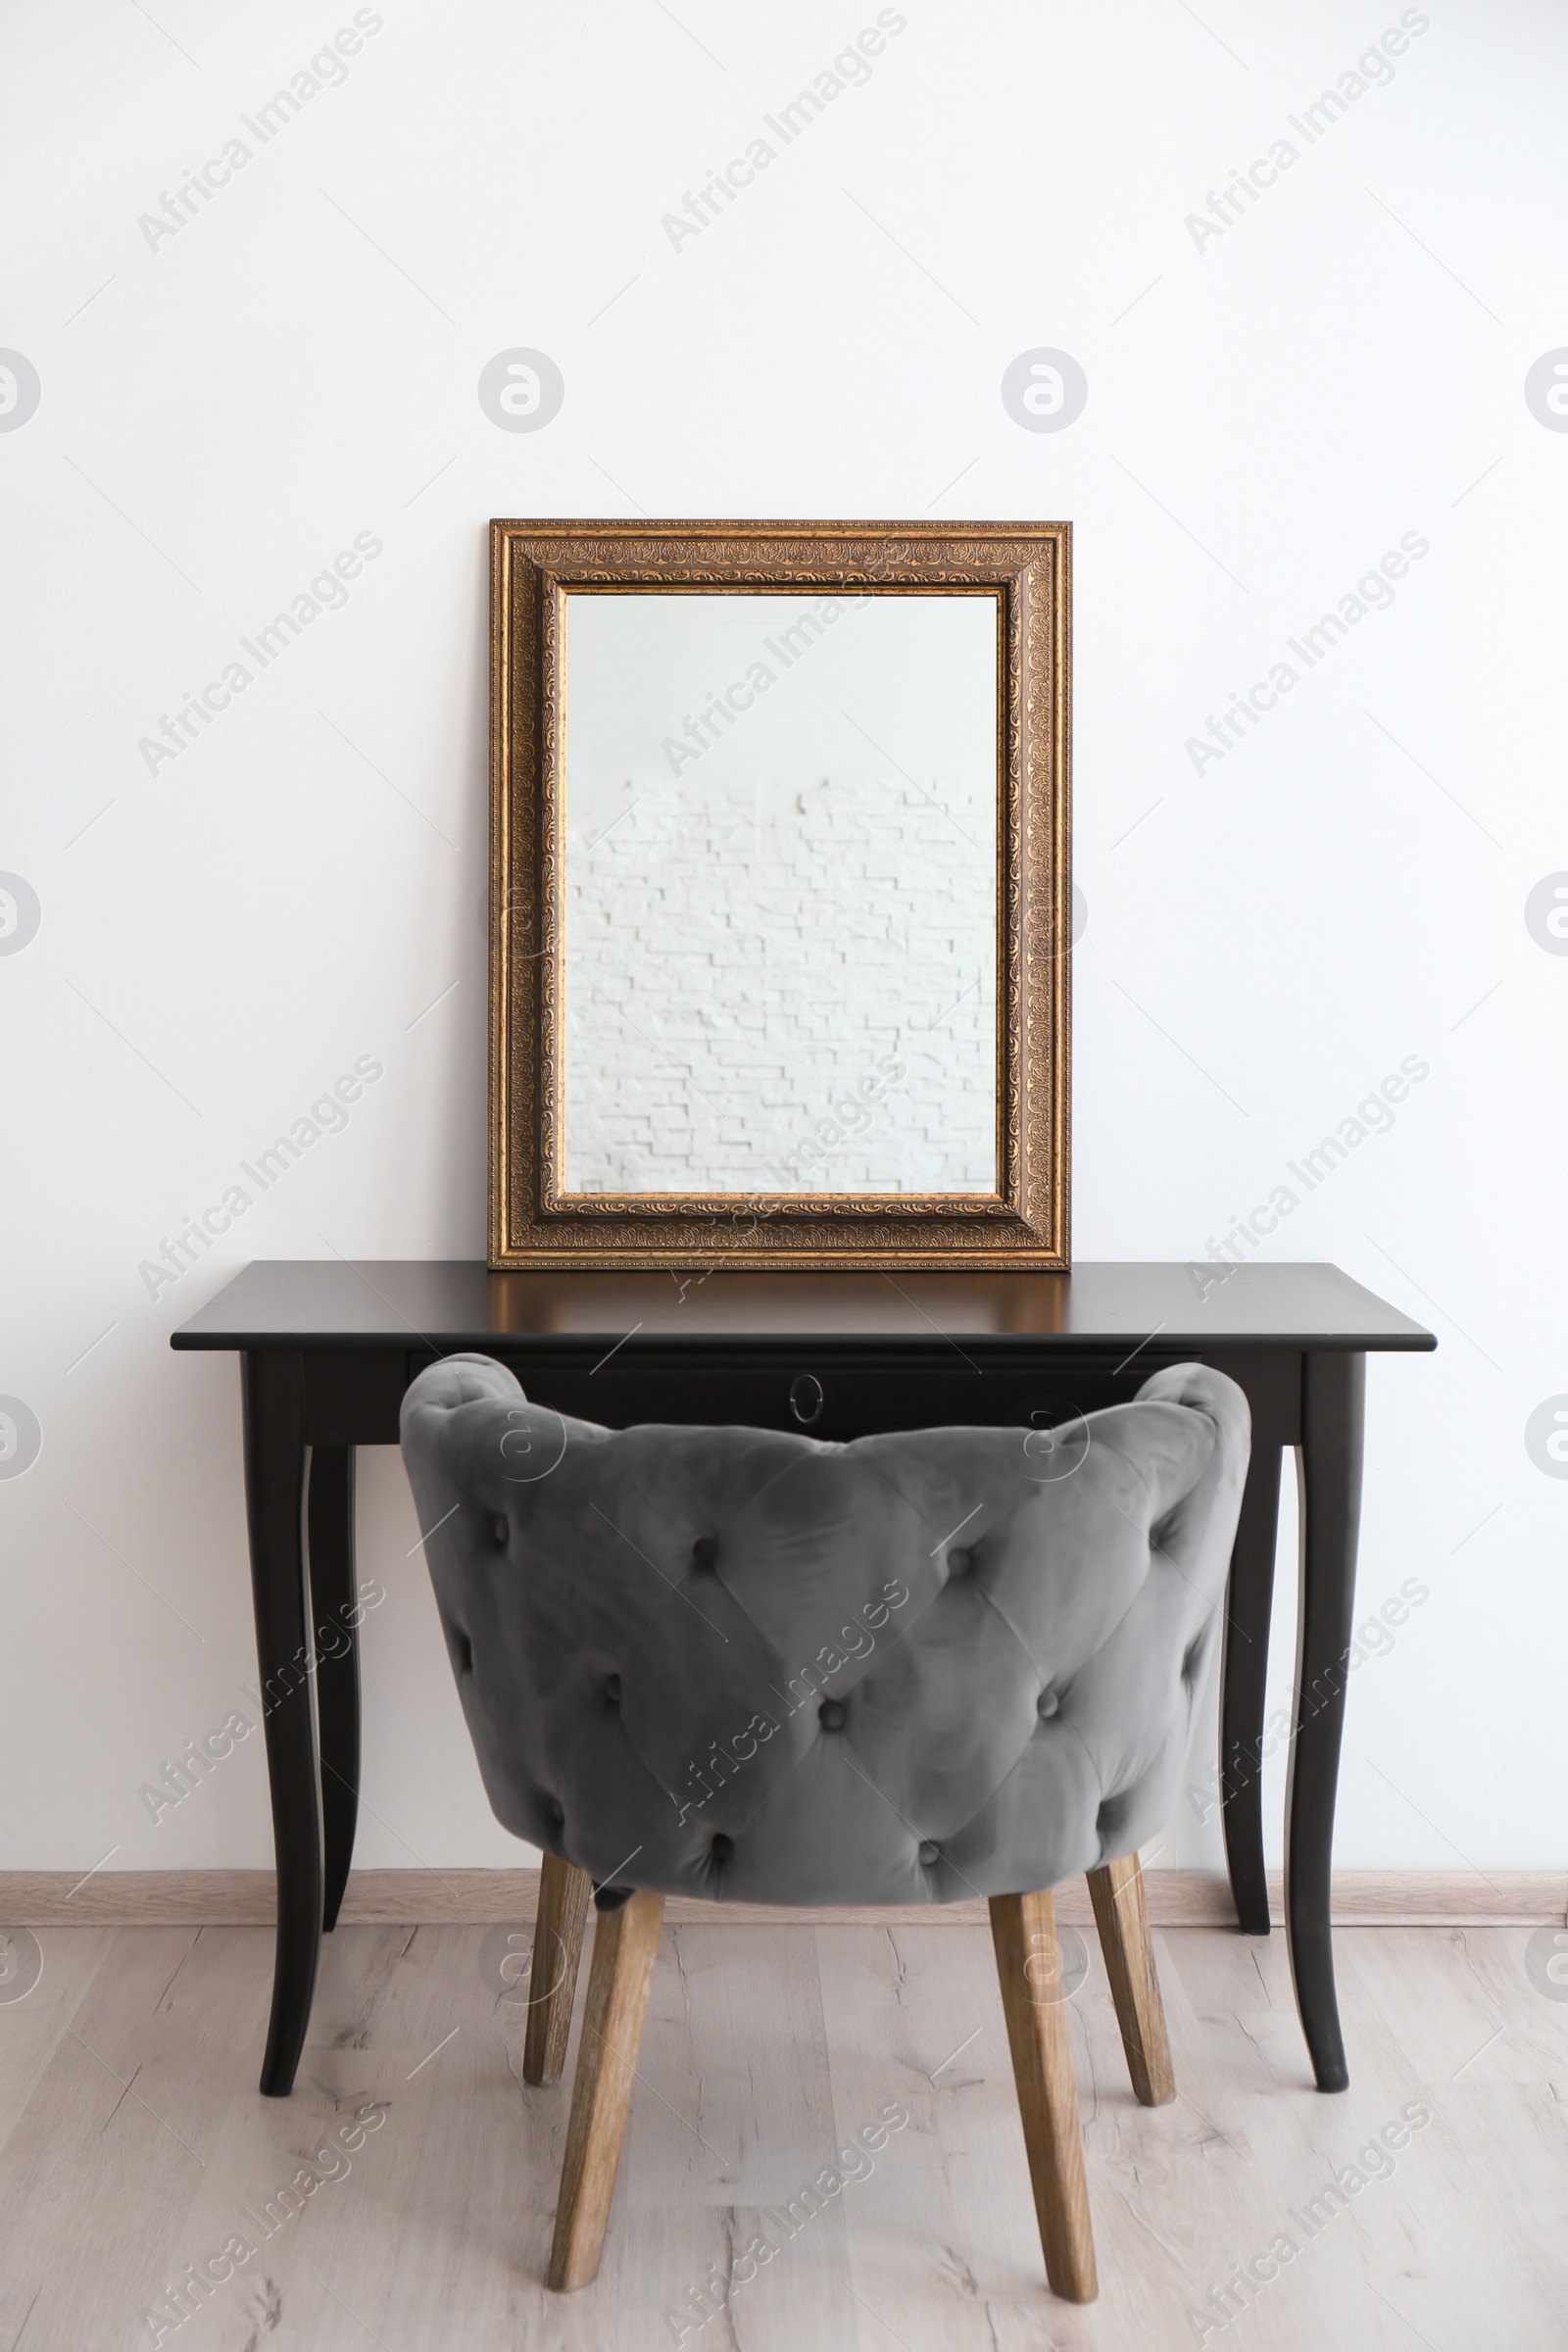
[(779, 892)]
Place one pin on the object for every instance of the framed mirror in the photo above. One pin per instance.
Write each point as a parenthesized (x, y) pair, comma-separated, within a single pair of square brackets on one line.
[(780, 894)]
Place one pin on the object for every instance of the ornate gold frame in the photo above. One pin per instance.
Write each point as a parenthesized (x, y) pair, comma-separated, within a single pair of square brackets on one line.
[(1024, 1224)]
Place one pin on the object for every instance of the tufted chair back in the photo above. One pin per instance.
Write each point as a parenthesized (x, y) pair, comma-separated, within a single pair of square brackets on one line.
[(751, 1666)]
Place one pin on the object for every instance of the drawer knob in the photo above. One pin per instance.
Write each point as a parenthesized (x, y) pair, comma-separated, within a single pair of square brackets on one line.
[(806, 1399)]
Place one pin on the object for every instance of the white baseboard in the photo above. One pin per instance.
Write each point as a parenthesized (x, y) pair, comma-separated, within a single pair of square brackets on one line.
[(1177, 1898)]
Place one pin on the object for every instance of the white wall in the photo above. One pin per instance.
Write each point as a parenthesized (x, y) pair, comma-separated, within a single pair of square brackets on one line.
[(223, 933)]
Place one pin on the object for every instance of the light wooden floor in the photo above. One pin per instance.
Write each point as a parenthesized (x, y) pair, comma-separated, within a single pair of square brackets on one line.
[(132, 2134)]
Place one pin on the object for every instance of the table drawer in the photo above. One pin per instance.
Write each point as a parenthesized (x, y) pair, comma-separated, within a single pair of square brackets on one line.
[(812, 1390)]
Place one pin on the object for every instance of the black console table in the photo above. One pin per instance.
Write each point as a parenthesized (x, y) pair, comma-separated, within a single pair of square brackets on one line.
[(328, 1349)]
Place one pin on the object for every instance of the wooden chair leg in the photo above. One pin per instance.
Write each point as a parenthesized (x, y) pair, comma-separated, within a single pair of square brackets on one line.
[(625, 1944), (1023, 1929), (1122, 1918), (565, 1895)]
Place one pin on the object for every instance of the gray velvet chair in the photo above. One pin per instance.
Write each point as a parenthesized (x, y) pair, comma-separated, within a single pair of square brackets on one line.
[(754, 1667)]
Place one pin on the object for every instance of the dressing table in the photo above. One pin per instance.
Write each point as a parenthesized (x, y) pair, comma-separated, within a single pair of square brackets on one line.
[(329, 1347), (780, 976)]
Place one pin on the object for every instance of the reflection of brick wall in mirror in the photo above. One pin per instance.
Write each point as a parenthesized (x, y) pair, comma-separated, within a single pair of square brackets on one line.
[(817, 964)]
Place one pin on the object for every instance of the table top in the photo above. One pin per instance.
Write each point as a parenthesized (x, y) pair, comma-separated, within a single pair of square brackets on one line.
[(450, 1303)]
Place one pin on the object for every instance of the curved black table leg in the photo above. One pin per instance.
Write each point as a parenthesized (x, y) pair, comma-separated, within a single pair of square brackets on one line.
[(329, 1525), (1333, 1419), (274, 1481), (1248, 1605)]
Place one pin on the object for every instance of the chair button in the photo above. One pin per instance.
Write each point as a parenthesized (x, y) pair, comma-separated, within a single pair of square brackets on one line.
[(1049, 1701), (959, 1560), (704, 1552), (830, 1714), (613, 1688), (929, 1855), (503, 1532)]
